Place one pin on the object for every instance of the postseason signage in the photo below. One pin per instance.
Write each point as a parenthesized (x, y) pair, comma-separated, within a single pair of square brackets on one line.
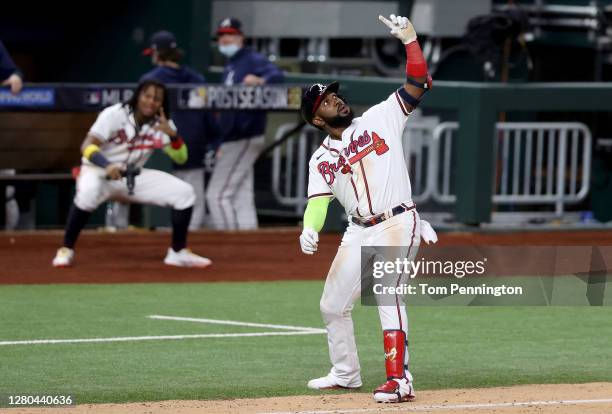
[(275, 97), (95, 97)]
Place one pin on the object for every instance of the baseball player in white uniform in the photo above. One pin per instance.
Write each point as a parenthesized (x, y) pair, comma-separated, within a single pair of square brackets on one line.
[(119, 142), (361, 163)]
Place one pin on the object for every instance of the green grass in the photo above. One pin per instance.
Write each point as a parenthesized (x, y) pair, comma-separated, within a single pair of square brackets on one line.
[(450, 346)]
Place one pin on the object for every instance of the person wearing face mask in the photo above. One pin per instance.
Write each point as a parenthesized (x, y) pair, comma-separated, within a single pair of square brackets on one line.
[(230, 194)]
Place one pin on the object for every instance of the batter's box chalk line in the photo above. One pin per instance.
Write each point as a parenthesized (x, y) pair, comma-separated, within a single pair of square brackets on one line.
[(405, 408), (283, 330)]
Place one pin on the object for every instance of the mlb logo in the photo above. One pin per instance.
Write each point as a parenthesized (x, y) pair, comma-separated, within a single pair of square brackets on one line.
[(193, 98), (93, 98)]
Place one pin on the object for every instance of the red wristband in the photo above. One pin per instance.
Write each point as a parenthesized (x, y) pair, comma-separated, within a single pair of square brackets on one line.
[(176, 143), (416, 66)]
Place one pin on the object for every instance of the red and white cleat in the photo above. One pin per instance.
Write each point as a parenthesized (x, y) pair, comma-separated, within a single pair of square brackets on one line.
[(394, 391)]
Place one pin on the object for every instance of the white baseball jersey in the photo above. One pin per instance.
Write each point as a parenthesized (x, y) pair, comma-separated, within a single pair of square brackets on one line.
[(366, 170), (121, 143)]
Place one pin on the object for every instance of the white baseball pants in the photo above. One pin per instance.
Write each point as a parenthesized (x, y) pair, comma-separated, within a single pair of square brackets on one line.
[(152, 187), (343, 288)]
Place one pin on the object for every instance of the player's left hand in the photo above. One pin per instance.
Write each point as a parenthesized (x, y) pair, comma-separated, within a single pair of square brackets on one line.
[(252, 80), (400, 28), (15, 82), (163, 125), (428, 234), (309, 241)]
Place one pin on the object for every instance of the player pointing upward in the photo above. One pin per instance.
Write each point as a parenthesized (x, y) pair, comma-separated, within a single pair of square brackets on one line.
[(361, 163)]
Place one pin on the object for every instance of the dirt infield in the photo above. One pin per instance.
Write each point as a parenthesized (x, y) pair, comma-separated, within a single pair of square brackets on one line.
[(274, 254), (594, 398)]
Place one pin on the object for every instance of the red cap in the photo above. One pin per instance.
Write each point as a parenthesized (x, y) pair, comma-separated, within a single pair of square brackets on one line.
[(229, 25)]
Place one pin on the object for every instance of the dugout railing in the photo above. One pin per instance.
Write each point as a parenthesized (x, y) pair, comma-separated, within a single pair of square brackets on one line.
[(537, 163), (477, 108)]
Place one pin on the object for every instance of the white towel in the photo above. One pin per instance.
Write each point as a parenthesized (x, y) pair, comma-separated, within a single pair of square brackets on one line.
[(428, 234)]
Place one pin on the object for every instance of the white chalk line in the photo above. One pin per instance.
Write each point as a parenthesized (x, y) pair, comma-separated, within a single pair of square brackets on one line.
[(291, 331), (405, 407), (237, 323), (152, 338)]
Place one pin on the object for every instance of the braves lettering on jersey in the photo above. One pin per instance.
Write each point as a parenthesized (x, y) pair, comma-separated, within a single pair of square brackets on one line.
[(122, 143), (366, 170)]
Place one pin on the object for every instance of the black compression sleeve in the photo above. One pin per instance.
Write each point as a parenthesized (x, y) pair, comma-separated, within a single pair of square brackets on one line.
[(98, 159)]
